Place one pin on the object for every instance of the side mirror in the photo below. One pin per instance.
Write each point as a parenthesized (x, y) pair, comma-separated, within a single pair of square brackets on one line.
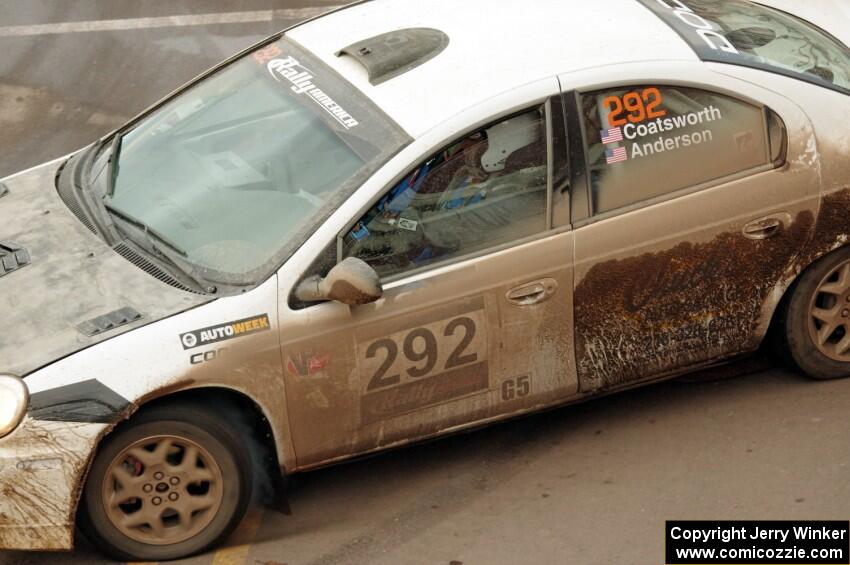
[(351, 282)]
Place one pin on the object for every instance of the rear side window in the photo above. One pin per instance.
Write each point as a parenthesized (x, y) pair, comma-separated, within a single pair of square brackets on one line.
[(647, 141), (745, 33)]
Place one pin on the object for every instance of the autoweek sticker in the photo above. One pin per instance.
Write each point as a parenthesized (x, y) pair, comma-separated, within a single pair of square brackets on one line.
[(223, 332)]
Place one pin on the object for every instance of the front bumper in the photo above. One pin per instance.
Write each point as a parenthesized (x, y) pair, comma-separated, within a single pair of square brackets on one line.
[(42, 466)]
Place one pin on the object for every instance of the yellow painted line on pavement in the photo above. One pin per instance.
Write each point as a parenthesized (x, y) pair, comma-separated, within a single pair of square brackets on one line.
[(243, 537)]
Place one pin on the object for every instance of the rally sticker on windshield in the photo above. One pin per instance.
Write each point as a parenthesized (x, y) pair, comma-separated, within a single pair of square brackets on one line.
[(222, 332), (288, 68)]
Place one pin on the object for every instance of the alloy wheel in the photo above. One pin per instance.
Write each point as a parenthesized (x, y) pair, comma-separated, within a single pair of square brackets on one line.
[(829, 314), (162, 490)]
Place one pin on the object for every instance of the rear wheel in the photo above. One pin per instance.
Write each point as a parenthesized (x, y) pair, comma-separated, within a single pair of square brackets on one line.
[(170, 483), (817, 318)]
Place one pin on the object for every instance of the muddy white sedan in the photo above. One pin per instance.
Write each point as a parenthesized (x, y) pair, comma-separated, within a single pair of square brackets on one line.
[(397, 221)]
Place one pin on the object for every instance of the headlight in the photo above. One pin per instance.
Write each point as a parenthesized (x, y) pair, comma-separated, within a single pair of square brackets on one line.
[(14, 398)]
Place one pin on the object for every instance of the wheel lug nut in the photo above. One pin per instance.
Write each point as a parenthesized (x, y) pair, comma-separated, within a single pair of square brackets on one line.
[(174, 481), (147, 488), (158, 475), (173, 496), (157, 501), (845, 313)]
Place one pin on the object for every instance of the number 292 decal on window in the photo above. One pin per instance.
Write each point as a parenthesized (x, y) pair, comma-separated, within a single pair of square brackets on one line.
[(635, 107)]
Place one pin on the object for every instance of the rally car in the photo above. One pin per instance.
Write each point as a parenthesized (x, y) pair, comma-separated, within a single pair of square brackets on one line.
[(400, 220)]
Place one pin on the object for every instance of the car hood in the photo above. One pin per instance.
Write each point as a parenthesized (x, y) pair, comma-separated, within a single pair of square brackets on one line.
[(55, 274)]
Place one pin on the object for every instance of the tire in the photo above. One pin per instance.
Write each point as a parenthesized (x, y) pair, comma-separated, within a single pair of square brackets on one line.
[(182, 480), (819, 301)]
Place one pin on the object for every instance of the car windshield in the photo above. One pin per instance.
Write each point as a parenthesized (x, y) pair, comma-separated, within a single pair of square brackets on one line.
[(236, 171), (746, 33)]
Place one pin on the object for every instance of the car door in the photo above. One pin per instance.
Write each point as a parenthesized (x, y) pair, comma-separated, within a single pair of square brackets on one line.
[(697, 201), (475, 322)]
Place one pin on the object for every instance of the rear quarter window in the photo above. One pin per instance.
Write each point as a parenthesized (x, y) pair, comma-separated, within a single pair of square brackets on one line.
[(644, 142)]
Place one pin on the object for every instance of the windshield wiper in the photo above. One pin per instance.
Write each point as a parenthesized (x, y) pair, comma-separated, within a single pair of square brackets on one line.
[(149, 231), (152, 236), (112, 165)]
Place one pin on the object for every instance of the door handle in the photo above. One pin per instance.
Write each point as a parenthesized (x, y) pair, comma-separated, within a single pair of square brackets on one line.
[(763, 228), (532, 293)]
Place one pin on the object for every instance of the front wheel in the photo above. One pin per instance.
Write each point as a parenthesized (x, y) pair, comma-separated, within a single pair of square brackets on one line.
[(170, 483), (817, 319)]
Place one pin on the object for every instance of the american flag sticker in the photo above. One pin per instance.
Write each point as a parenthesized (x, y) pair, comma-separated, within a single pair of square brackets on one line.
[(616, 155), (612, 135)]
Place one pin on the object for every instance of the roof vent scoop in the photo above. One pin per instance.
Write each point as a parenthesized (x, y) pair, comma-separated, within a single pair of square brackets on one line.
[(392, 54)]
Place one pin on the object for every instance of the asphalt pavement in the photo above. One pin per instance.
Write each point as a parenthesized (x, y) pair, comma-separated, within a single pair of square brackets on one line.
[(588, 484)]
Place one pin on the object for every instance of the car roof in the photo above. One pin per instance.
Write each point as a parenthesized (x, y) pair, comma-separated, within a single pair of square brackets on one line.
[(495, 46)]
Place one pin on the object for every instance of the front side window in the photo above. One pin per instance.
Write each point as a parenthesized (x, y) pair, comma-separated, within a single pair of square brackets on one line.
[(647, 141), (237, 171), (484, 190), (745, 33)]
